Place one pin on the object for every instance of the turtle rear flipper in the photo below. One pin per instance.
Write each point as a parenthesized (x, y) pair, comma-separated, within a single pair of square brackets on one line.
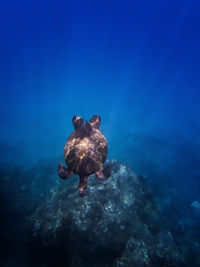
[(104, 173), (64, 172)]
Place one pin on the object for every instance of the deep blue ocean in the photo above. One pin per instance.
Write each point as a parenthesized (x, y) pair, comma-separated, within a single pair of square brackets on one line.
[(135, 63)]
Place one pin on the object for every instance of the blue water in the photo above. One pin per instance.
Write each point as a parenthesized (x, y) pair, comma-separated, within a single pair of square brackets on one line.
[(135, 63)]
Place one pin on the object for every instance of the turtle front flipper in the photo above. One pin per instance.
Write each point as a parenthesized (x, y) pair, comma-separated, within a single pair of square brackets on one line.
[(82, 187), (77, 121), (95, 121), (105, 173), (64, 172)]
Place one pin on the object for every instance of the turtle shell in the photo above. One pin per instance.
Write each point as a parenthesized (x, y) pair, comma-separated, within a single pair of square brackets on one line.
[(85, 150)]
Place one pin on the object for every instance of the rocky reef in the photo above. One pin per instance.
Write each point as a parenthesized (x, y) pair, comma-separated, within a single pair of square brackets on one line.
[(116, 224)]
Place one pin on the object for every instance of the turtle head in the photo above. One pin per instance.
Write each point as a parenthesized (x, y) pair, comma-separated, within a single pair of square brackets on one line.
[(77, 121), (95, 121)]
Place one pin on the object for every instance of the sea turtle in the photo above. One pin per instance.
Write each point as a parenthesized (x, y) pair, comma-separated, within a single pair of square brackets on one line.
[(85, 152)]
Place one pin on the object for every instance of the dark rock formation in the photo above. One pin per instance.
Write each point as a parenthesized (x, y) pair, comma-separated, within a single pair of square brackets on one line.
[(116, 224)]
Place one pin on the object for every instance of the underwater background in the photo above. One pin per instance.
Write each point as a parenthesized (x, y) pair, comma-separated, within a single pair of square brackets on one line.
[(136, 64)]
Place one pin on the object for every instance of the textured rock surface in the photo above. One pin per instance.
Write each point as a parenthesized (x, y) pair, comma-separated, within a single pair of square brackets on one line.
[(116, 224)]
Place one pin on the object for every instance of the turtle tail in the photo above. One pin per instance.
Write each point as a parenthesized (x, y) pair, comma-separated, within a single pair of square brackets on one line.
[(82, 187)]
